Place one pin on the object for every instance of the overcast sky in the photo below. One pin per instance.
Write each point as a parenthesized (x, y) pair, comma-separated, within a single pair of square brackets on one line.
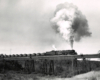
[(25, 26)]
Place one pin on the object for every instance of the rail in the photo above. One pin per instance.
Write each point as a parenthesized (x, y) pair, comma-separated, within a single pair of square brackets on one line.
[(52, 57)]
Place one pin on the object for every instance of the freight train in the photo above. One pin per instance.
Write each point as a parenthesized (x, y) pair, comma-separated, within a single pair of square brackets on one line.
[(49, 53)]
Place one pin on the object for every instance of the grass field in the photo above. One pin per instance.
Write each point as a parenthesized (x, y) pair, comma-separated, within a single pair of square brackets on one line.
[(93, 75)]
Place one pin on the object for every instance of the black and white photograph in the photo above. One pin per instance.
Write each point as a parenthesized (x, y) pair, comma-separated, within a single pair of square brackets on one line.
[(49, 40)]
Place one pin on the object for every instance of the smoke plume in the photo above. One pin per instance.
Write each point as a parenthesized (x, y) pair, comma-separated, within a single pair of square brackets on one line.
[(53, 46), (70, 23)]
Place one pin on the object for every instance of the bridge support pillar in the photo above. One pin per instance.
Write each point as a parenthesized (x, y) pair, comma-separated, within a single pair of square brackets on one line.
[(26, 66), (51, 68), (44, 67), (4, 62), (33, 65), (72, 67), (84, 65), (29, 66), (75, 62)]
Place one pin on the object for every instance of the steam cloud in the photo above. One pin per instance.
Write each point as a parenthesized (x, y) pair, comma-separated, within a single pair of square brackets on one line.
[(70, 23), (53, 46)]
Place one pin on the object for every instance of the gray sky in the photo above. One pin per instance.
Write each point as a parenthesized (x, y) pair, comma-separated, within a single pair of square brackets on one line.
[(25, 26)]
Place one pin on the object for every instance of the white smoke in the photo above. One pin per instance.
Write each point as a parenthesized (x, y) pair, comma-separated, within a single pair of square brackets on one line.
[(53, 46), (63, 20), (70, 23)]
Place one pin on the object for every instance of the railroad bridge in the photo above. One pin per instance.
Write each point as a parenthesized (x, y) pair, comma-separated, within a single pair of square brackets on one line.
[(48, 59)]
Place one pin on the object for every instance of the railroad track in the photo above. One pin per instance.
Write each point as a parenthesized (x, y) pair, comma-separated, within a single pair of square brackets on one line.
[(52, 57)]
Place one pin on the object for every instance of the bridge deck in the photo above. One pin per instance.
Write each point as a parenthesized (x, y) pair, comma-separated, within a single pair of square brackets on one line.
[(54, 57)]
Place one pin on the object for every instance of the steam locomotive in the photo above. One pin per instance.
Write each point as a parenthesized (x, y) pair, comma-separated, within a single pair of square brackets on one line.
[(63, 52)]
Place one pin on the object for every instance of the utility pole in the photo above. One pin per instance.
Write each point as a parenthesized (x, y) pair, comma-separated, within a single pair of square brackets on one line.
[(10, 51)]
